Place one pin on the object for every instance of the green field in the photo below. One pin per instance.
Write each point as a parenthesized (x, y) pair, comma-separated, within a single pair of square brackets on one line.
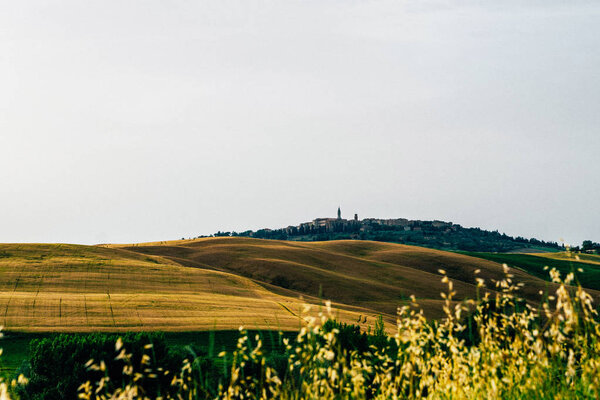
[(16, 345), (535, 264), (15, 349)]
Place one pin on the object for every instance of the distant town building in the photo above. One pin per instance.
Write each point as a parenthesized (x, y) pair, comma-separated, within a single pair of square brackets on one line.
[(339, 224)]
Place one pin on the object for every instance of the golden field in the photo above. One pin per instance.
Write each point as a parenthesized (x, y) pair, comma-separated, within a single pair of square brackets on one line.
[(72, 288), (222, 283), (584, 258)]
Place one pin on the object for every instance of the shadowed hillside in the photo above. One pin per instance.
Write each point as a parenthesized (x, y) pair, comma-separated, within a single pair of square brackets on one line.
[(374, 275)]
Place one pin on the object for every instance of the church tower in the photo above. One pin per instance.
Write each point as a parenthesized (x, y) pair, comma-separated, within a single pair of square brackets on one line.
[(339, 213)]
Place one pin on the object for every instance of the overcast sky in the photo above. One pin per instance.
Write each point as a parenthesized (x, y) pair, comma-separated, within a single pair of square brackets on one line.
[(129, 121)]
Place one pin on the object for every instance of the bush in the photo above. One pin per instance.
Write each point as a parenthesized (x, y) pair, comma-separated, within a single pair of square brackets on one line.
[(58, 365)]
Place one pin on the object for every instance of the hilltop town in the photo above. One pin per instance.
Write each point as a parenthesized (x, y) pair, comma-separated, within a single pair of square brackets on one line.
[(435, 234)]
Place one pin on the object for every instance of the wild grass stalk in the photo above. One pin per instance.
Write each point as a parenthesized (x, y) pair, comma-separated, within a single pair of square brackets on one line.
[(495, 347)]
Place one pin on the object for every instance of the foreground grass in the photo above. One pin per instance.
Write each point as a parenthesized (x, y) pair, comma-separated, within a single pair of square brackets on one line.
[(499, 347)]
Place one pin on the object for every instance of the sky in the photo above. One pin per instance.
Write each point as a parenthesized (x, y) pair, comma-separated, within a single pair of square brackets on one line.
[(130, 121)]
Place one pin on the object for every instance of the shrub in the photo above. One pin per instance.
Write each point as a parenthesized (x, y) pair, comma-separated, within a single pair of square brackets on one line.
[(58, 365)]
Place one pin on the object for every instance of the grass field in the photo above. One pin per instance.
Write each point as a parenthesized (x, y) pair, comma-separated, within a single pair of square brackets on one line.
[(15, 349), (70, 288), (563, 262), (222, 283), (373, 275), (581, 257)]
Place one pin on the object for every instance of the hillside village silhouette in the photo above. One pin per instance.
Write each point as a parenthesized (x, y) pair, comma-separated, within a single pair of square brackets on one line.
[(435, 234)]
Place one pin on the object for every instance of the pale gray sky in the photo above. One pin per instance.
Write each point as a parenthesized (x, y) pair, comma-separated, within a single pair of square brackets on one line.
[(125, 121)]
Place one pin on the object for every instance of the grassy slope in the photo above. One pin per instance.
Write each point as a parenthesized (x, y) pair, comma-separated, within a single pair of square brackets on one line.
[(374, 275), (534, 264), (83, 288), (221, 283), (563, 255)]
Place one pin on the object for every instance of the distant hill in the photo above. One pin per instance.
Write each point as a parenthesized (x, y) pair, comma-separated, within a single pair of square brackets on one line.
[(434, 234)]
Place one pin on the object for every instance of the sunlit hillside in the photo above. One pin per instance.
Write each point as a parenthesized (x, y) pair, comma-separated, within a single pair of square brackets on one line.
[(223, 283), (582, 258), (47, 287)]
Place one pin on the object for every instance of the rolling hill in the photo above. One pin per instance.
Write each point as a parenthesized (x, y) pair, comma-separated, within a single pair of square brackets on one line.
[(72, 288), (374, 275), (221, 283)]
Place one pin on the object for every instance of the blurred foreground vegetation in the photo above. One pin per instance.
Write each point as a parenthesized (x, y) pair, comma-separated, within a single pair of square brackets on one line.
[(495, 347)]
